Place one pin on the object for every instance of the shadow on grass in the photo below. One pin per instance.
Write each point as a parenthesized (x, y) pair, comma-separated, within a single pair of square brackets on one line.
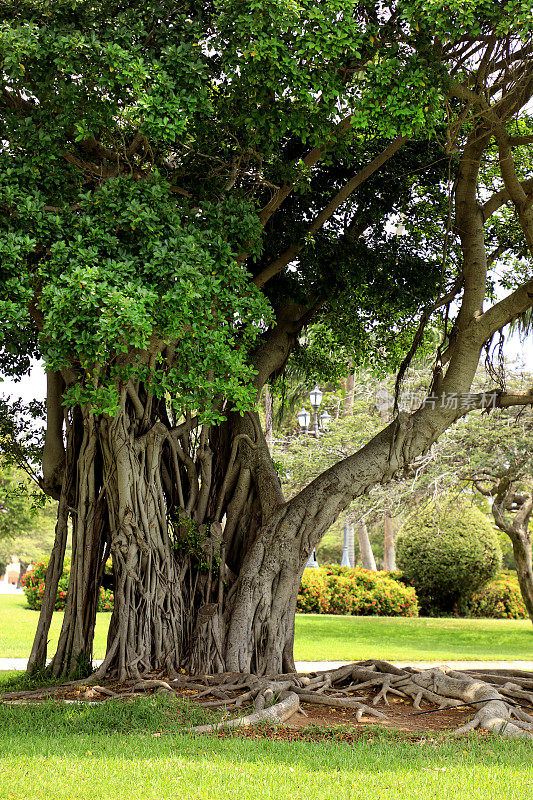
[(140, 749), (130, 721)]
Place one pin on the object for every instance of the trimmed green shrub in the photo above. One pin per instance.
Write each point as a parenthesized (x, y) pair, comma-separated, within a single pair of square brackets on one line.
[(342, 590), (508, 563), (447, 552), (500, 599), (33, 583)]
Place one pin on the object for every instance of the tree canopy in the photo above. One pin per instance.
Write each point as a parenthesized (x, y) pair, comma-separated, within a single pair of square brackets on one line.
[(146, 148)]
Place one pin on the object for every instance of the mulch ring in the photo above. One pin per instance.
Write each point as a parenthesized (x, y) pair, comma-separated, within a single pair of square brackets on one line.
[(317, 723), (399, 717), (339, 725)]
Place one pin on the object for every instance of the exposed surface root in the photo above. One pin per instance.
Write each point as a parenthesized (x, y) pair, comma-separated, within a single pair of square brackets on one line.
[(501, 700), (277, 713)]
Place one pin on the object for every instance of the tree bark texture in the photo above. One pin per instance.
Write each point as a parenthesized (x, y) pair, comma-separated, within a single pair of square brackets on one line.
[(517, 529)]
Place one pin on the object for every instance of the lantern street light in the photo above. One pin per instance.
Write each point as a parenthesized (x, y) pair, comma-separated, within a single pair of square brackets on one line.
[(304, 418), (325, 419), (316, 398)]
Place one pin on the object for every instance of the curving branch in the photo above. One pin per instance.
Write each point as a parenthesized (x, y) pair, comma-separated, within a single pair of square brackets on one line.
[(285, 258), (502, 197)]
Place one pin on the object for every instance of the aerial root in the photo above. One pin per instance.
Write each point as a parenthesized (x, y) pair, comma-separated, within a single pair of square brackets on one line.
[(501, 700)]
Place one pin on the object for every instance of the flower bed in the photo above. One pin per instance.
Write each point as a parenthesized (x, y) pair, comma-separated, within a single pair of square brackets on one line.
[(33, 583), (500, 599), (341, 590)]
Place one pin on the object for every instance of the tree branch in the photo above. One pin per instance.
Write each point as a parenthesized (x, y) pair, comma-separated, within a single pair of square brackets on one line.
[(312, 158), (500, 198), (285, 258), (272, 354), (506, 310)]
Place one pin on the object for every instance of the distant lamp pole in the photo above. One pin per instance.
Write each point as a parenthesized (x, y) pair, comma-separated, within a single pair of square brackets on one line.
[(304, 419), (316, 399), (345, 560)]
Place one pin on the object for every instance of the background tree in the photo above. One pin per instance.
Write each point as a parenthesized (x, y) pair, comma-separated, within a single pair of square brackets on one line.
[(15, 506), (185, 188), (492, 455), (448, 549), (33, 542)]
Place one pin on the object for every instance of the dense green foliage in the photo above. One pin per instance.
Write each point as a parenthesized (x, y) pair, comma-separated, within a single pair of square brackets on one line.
[(341, 590), (447, 551), (501, 598), (139, 142), (16, 512), (35, 540)]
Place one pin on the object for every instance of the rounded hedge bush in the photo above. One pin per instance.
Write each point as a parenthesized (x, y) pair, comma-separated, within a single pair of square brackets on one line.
[(342, 590), (499, 599), (447, 551)]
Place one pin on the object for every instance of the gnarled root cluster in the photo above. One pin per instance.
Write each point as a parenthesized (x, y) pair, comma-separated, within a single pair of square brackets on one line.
[(502, 700), (498, 697)]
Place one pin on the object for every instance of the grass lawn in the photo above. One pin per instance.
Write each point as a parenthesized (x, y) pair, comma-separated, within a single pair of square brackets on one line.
[(329, 637), (120, 751), (404, 638), (18, 624)]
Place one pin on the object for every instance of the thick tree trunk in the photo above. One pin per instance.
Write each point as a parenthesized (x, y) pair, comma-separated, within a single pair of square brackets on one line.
[(176, 569), (517, 529), (524, 568), (146, 626), (37, 659), (89, 553), (261, 611)]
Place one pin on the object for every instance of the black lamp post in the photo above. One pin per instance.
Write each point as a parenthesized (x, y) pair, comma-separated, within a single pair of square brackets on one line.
[(315, 398), (319, 424)]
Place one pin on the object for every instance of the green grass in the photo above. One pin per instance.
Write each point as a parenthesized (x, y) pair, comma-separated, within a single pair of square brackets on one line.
[(404, 638), (18, 624), (321, 637), (142, 749), (120, 751)]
